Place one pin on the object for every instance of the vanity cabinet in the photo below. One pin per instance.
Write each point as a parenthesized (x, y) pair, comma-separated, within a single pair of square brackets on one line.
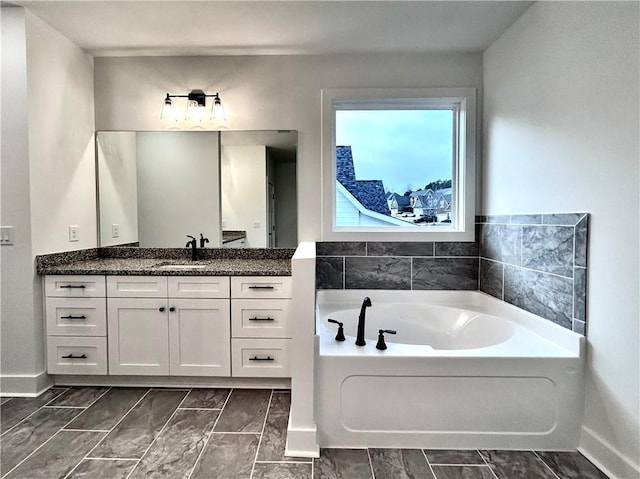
[(76, 318), (260, 319), (176, 325), (169, 325)]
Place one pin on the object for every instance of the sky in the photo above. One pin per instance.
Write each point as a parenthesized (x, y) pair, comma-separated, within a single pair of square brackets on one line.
[(399, 147)]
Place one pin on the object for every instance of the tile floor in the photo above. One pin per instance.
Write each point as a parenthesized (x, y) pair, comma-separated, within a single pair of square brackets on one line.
[(95, 432)]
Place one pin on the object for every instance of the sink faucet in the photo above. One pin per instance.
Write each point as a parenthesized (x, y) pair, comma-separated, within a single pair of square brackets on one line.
[(360, 338), (193, 245), (203, 240)]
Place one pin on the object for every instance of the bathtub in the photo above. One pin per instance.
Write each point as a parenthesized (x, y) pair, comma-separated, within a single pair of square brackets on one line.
[(464, 370)]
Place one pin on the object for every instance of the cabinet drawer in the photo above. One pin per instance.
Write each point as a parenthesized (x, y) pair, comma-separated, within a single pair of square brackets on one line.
[(76, 316), (76, 355), (261, 287), (260, 358), (77, 286), (198, 286), (260, 318), (136, 286)]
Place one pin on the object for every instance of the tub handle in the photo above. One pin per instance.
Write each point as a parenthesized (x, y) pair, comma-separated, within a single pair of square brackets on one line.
[(340, 335), (381, 344)]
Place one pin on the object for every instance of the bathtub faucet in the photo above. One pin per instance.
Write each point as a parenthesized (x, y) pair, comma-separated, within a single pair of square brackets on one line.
[(360, 338)]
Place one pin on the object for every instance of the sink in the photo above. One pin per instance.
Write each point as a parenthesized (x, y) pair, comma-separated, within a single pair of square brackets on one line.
[(180, 266)]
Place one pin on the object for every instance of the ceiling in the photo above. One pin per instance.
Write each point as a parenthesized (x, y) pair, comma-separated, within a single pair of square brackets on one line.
[(216, 27)]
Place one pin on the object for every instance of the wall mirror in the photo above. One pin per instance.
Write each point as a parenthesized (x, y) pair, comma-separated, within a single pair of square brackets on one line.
[(236, 188)]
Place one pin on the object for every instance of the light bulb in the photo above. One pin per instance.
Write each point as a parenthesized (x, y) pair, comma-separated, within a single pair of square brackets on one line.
[(168, 110), (195, 111), (217, 110)]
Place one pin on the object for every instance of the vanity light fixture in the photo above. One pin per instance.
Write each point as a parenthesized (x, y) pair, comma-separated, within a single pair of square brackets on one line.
[(196, 103)]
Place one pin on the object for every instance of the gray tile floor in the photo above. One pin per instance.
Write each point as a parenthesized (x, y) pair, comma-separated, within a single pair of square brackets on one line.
[(113, 433)]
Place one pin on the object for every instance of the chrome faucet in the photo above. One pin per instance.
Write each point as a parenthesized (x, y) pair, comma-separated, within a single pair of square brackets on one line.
[(360, 338)]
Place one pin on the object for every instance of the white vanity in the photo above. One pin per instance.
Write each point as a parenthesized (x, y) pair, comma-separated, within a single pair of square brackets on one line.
[(173, 325)]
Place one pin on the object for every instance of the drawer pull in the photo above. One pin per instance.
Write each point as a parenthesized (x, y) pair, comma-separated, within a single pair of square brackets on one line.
[(82, 318), (260, 287), (261, 319), (73, 286), (256, 358), (71, 356)]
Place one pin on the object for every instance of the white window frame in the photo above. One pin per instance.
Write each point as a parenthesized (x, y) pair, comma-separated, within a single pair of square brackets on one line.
[(463, 101)]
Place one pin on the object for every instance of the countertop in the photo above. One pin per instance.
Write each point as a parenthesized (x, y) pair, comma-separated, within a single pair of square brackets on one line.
[(87, 262)]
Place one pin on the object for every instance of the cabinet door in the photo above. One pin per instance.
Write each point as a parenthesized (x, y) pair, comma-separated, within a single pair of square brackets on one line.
[(199, 337), (138, 336)]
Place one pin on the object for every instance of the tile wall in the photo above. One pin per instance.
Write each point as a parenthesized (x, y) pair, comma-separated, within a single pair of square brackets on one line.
[(397, 265), (535, 262), (538, 263)]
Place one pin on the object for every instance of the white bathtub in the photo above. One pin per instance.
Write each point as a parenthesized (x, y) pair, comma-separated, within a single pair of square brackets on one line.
[(464, 371)]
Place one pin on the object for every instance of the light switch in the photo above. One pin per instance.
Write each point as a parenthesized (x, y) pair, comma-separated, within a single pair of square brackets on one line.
[(6, 235), (115, 230), (74, 233), (256, 224)]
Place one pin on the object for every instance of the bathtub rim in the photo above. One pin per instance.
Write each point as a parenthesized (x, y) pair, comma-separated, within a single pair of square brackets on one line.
[(327, 301)]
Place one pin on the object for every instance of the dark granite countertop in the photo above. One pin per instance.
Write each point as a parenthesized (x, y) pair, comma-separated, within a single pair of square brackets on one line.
[(137, 261)]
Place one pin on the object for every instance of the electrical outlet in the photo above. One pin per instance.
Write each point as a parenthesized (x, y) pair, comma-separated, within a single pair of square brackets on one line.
[(6, 235), (256, 224), (74, 233), (115, 230)]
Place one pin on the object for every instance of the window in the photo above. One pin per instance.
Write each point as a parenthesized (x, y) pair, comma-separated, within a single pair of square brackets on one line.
[(399, 164)]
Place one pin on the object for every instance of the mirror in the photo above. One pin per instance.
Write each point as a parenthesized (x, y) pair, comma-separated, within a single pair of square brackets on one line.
[(237, 188)]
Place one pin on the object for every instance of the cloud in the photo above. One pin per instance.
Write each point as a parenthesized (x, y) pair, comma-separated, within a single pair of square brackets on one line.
[(399, 147)]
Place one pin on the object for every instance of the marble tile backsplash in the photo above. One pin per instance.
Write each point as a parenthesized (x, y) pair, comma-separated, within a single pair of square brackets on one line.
[(397, 265), (535, 262), (538, 263)]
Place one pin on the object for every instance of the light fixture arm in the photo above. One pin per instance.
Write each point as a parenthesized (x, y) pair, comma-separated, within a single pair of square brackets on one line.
[(196, 99), (195, 95)]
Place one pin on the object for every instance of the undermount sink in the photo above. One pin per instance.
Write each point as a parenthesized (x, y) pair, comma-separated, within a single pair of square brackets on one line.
[(181, 266)]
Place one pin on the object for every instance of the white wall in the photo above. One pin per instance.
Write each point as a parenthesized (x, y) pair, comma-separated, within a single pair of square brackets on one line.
[(178, 193), (19, 333), (118, 193), (244, 192), (61, 140), (561, 134), (268, 93), (47, 178)]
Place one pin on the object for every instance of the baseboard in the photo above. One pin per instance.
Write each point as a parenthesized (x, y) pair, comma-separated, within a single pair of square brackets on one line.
[(606, 457), (172, 381), (302, 442), (24, 385)]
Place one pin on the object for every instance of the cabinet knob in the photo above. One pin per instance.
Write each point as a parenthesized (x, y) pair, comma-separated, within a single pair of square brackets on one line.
[(172, 309), (161, 309)]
